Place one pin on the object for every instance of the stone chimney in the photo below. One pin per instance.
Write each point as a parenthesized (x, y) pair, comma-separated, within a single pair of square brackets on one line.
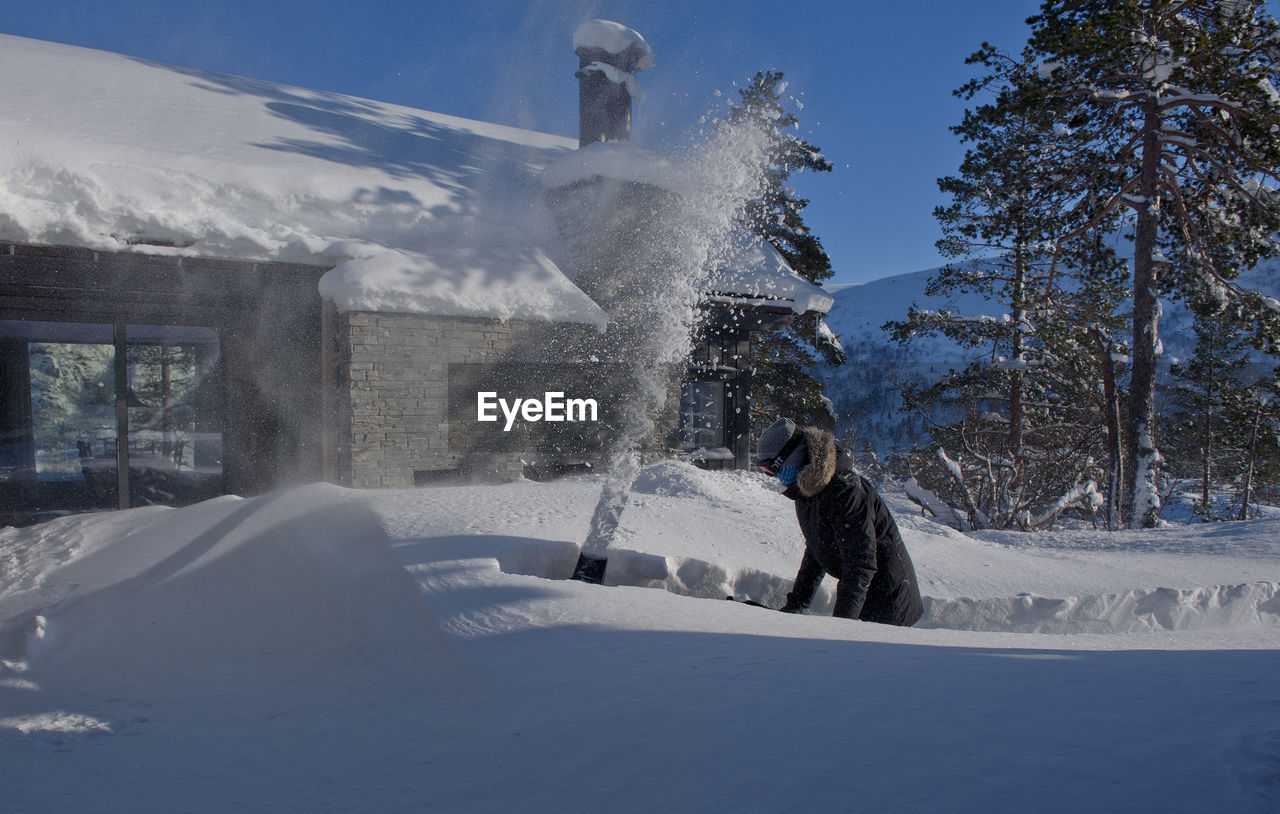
[(609, 56)]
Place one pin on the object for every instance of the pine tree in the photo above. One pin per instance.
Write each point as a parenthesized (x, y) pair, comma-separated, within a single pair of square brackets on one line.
[(1209, 402), (1261, 431), (782, 386), (1024, 414), (783, 382), (1180, 98)]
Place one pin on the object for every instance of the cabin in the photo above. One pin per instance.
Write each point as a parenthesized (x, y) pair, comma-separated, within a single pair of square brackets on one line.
[(211, 284)]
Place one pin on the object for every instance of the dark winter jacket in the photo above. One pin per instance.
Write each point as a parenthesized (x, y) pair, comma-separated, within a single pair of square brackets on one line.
[(850, 535)]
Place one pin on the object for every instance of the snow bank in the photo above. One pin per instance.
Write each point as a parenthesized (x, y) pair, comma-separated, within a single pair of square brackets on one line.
[(682, 480), (1219, 606), (298, 582), (662, 550)]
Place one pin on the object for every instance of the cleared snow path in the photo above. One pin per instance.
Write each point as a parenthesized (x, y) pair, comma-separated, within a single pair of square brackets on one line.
[(1177, 579), (1136, 610)]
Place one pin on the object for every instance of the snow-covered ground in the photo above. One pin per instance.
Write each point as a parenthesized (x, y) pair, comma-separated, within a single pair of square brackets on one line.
[(324, 649)]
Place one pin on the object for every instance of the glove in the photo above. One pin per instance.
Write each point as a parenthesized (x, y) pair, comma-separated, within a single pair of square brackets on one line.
[(792, 605)]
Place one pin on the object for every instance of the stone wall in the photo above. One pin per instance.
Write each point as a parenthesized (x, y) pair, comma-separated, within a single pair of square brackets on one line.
[(390, 399), (396, 403)]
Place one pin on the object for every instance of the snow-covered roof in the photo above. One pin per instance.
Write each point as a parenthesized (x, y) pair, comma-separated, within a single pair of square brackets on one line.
[(413, 211), (109, 152), (459, 279), (756, 273)]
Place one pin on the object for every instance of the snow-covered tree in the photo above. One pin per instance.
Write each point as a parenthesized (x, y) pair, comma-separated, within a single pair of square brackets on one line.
[(1261, 436), (1180, 97), (783, 362), (781, 384), (1208, 401), (1025, 413)]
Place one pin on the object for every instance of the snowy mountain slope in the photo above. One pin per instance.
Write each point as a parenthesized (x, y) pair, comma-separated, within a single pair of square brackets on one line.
[(328, 649), (864, 389)]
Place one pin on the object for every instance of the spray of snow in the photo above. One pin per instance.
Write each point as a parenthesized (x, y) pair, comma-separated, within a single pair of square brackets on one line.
[(715, 180)]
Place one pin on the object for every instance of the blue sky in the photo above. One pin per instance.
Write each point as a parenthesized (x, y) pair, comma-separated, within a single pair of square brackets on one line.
[(874, 78)]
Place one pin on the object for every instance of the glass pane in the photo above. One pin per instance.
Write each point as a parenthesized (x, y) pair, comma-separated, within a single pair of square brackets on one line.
[(73, 404), (702, 415), (175, 431), (57, 419)]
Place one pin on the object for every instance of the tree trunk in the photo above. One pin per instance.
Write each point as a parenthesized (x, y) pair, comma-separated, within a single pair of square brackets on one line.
[(1253, 459), (1111, 413), (1142, 497), (1008, 506), (1206, 467)]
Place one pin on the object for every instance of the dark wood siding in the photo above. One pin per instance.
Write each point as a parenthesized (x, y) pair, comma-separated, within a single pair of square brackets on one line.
[(267, 316)]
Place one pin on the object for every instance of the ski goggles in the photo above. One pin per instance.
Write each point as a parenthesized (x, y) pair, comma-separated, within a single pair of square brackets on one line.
[(771, 466)]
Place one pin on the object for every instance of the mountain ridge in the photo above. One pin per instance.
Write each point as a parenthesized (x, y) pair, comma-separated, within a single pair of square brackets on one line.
[(865, 391)]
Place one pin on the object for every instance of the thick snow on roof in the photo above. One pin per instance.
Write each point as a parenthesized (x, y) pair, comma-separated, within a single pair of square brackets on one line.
[(458, 280), (755, 272), (415, 211), (109, 152)]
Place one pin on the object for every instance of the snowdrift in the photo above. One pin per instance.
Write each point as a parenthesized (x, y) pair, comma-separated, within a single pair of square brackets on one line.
[(285, 584), (310, 579)]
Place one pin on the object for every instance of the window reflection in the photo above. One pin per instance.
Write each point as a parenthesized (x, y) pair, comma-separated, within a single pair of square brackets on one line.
[(175, 446), (60, 423)]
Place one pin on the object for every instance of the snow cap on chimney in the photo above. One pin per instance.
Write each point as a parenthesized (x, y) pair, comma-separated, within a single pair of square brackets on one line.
[(609, 55), (614, 44)]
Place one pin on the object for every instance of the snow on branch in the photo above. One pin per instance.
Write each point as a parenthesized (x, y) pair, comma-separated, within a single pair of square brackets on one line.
[(1085, 495), (976, 516), (935, 506)]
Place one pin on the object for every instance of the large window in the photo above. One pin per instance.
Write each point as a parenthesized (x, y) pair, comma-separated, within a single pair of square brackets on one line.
[(99, 416)]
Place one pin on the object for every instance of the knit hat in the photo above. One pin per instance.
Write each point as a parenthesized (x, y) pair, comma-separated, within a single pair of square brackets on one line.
[(774, 438)]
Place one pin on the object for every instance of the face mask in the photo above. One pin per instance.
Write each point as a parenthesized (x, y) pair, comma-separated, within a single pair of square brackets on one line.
[(788, 474)]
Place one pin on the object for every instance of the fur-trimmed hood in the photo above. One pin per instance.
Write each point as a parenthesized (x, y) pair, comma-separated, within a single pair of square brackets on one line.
[(823, 461)]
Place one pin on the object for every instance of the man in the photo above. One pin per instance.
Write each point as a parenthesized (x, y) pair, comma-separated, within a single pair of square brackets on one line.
[(848, 531)]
